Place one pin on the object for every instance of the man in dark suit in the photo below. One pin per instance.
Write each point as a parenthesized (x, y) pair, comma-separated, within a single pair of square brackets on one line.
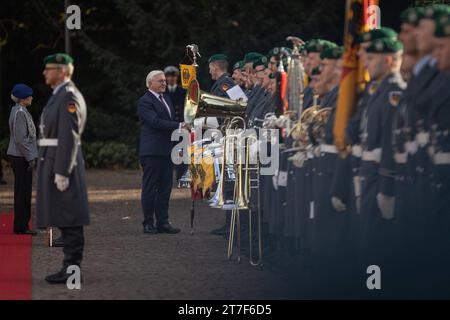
[(157, 118), (177, 95)]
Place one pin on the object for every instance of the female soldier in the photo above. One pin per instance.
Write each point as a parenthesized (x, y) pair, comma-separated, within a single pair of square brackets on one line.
[(22, 152)]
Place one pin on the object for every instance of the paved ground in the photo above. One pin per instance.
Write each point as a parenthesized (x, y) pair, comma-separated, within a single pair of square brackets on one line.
[(123, 263)]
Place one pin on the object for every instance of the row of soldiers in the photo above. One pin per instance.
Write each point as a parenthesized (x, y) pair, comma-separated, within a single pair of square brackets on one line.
[(385, 202)]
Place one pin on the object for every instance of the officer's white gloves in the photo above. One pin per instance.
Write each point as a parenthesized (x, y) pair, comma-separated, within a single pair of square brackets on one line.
[(62, 183), (386, 205), (338, 205)]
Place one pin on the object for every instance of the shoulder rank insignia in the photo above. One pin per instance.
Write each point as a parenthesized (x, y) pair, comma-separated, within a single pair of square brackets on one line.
[(225, 87), (70, 89), (71, 107), (394, 98)]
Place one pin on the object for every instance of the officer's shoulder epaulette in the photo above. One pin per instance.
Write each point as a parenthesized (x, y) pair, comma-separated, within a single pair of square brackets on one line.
[(70, 88)]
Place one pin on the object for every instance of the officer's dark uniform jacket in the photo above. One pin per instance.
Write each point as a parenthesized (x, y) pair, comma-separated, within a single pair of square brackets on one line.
[(409, 146), (61, 126), (377, 169), (222, 84)]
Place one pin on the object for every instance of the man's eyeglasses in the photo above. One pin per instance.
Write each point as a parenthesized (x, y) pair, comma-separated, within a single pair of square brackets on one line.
[(162, 81)]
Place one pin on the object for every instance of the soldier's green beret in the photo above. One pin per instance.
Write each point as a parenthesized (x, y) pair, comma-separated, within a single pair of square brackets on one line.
[(315, 71), (262, 61), (274, 52), (375, 34), (58, 58), (412, 15), (238, 65), (385, 45), (218, 57), (435, 11), (332, 53), (318, 45), (442, 26), (252, 57)]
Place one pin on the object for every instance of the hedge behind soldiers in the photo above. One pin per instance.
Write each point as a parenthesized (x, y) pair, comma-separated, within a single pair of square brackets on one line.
[(61, 189)]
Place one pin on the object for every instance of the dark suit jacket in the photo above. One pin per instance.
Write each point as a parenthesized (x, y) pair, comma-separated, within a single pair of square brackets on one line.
[(156, 125)]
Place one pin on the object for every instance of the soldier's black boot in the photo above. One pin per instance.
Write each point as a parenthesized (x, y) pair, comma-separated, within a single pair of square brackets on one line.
[(58, 278), (73, 240)]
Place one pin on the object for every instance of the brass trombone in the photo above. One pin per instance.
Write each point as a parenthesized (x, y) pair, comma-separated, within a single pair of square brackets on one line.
[(247, 179)]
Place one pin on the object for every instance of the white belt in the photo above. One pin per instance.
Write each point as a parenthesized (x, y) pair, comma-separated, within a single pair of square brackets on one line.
[(401, 158), (50, 143), (328, 148), (422, 138), (441, 158), (357, 151), (374, 155), (47, 142)]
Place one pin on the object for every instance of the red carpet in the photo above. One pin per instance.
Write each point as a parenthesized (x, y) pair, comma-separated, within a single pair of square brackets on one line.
[(15, 262)]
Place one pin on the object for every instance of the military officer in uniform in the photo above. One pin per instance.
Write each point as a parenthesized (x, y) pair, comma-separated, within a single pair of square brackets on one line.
[(416, 222), (439, 151), (61, 188), (313, 49), (218, 69), (377, 173)]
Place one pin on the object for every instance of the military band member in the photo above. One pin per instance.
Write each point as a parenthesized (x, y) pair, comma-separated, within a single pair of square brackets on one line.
[(237, 74), (218, 66), (218, 69), (61, 188), (265, 103), (253, 83)]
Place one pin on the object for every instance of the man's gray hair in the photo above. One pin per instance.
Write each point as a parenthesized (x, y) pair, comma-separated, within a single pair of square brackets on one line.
[(151, 75), (68, 69)]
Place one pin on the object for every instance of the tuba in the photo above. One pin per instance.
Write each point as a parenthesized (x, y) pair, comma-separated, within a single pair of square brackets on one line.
[(201, 104)]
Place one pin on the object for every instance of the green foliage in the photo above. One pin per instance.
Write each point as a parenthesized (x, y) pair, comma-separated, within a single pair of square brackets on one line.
[(3, 147), (109, 155), (103, 126)]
